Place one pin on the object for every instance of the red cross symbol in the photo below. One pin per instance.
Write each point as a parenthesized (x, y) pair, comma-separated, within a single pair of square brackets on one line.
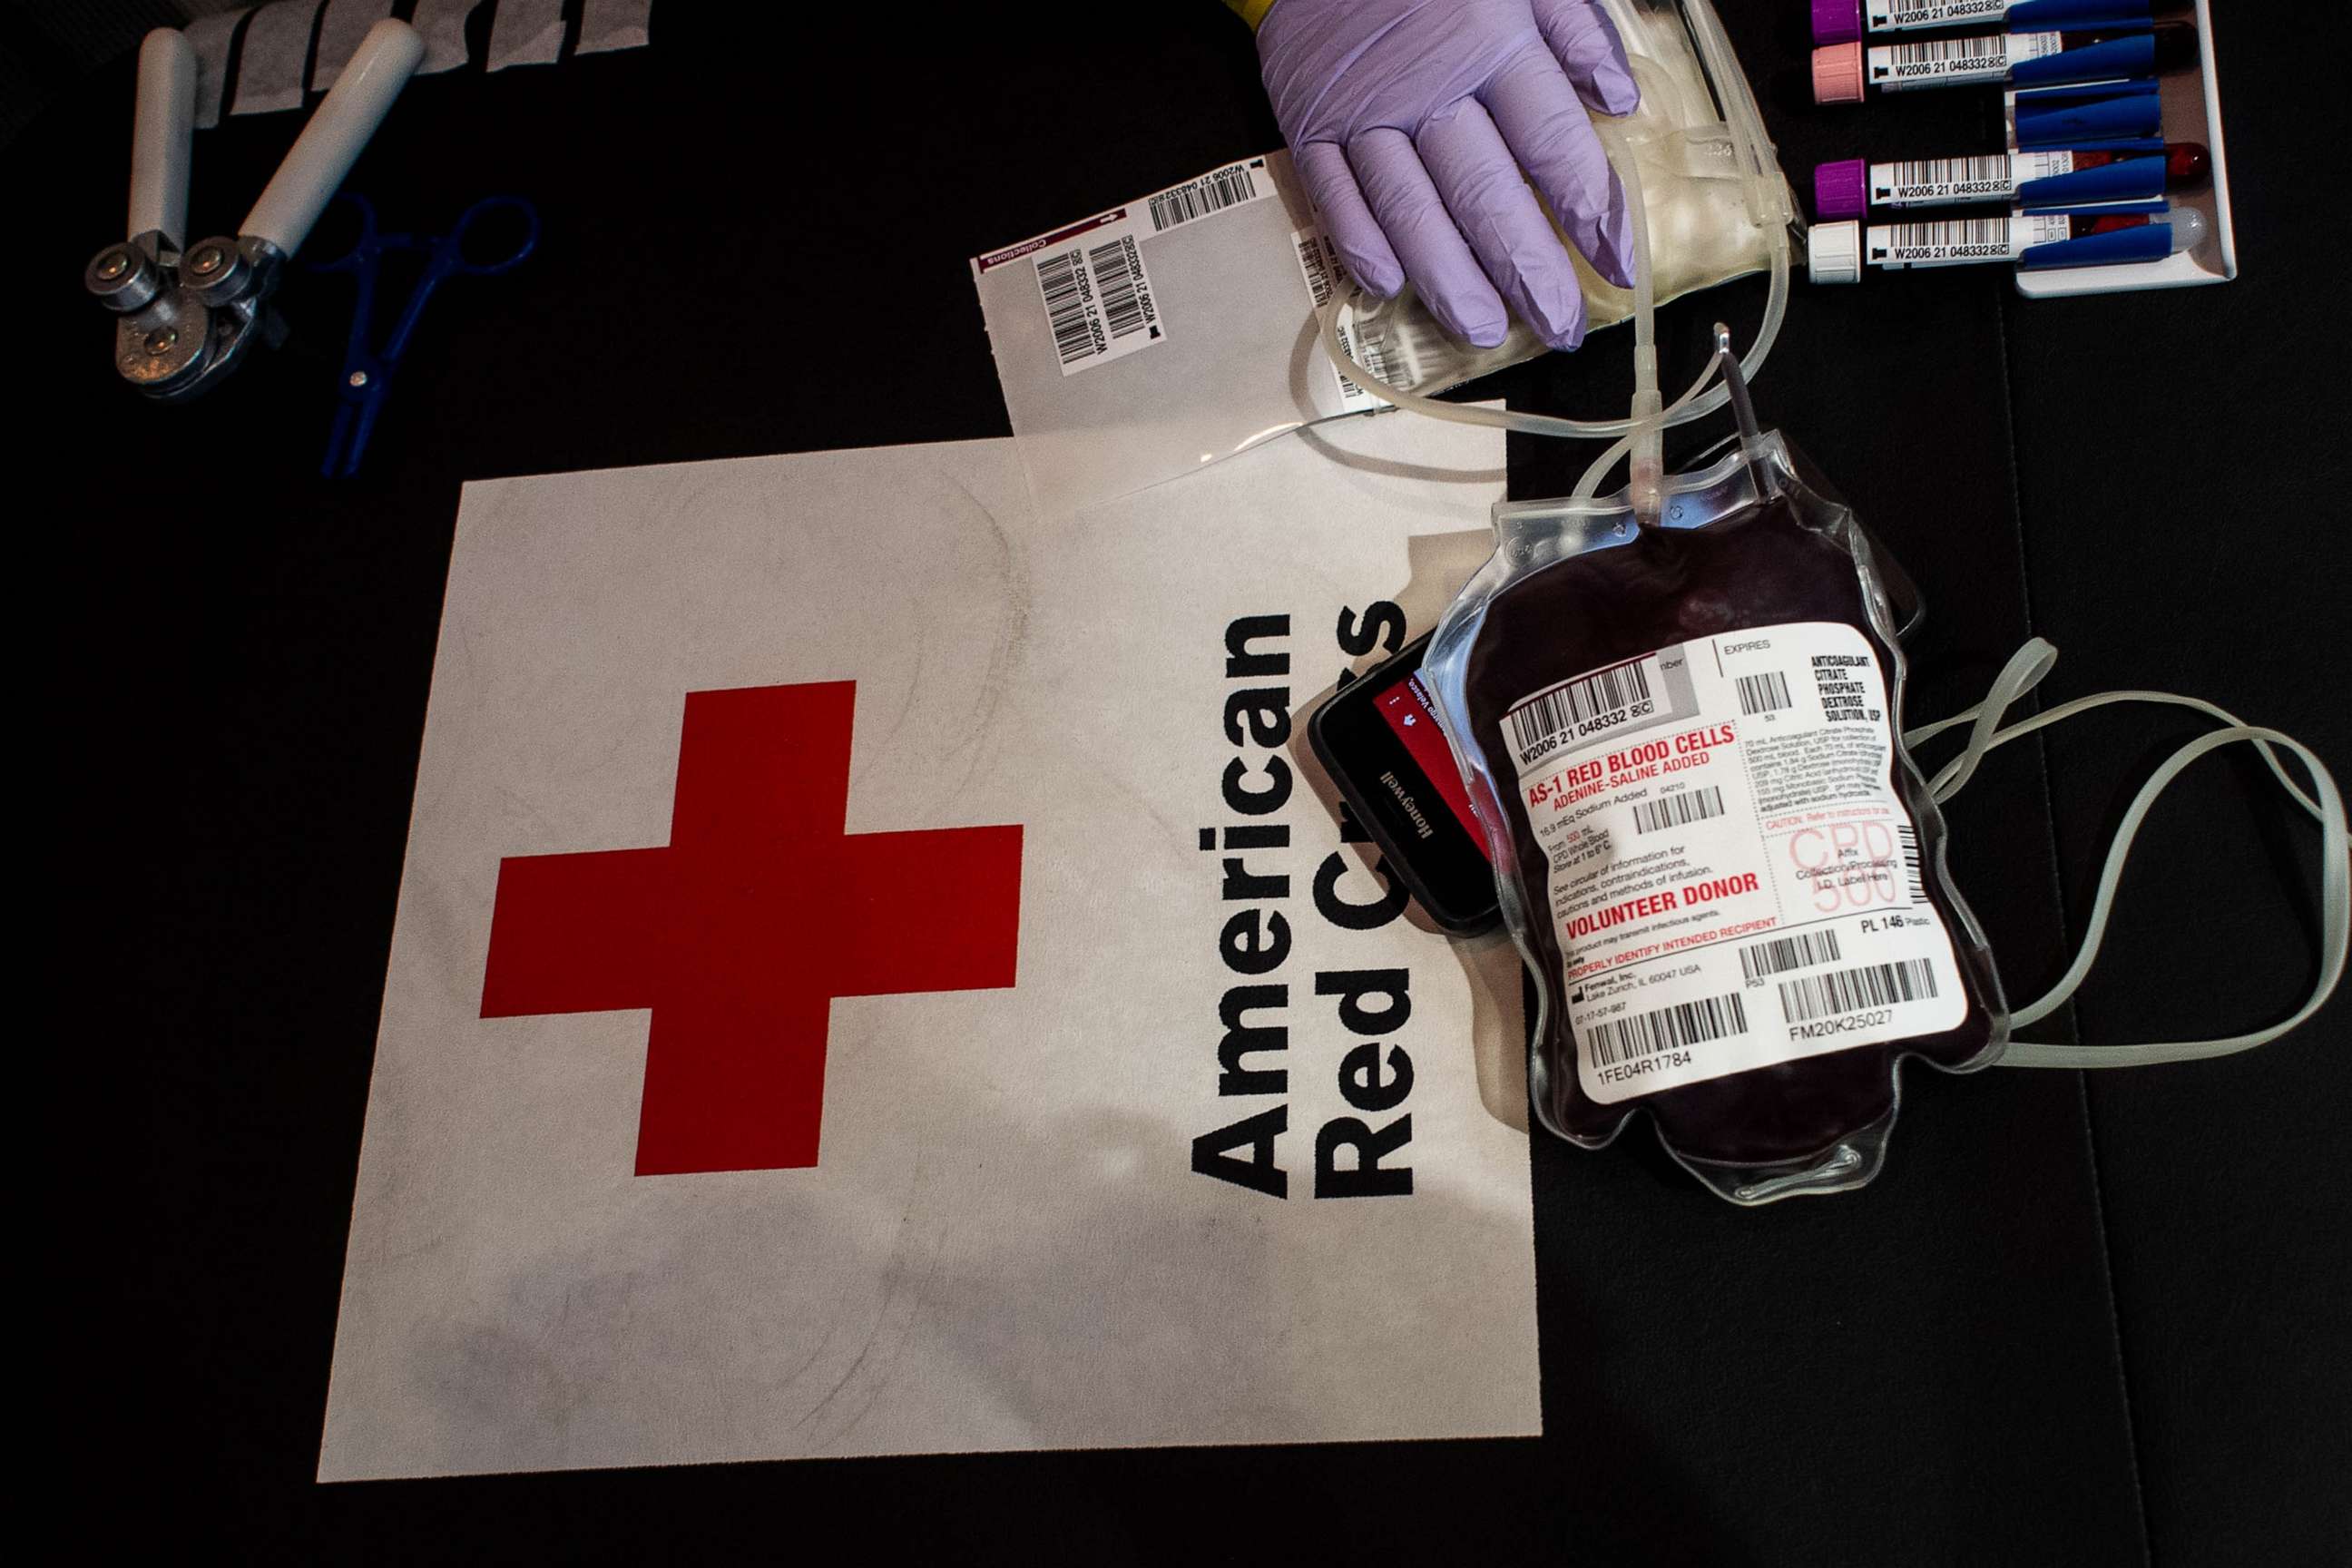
[(741, 932)]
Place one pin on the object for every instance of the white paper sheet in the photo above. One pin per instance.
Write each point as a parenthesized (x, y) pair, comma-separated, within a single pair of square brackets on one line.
[(1004, 1242)]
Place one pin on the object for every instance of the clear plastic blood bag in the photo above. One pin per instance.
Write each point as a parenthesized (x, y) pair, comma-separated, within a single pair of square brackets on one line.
[(1724, 873)]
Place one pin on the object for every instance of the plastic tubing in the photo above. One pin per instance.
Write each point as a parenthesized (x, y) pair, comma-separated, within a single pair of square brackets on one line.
[(1705, 394)]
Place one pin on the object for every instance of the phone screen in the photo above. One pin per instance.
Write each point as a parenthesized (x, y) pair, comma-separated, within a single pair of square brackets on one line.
[(1381, 743)]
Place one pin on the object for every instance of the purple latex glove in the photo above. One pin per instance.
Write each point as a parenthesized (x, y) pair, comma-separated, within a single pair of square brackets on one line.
[(1411, 120)]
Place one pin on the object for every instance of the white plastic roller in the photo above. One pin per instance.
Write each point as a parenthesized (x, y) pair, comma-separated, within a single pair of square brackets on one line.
[(331, 142), (161, 135)]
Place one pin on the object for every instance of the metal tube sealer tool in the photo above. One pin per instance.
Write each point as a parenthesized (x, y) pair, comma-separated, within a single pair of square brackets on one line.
[(185, 317)]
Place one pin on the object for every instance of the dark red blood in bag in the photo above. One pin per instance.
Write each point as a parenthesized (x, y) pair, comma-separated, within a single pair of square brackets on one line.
[(1765, 567)]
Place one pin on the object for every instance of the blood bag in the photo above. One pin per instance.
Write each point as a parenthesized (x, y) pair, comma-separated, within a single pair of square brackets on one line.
[(1682, 741)]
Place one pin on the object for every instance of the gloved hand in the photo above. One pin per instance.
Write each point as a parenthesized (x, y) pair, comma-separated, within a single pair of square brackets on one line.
[(1411, 120)]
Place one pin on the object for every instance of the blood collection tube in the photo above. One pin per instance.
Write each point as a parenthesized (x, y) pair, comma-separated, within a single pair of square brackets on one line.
[(1843, 71), (1837, 252), (1842, 21), (2036, 180)]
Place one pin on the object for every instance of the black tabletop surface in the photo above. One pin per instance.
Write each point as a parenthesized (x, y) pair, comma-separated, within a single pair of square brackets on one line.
[(2083, 1318)]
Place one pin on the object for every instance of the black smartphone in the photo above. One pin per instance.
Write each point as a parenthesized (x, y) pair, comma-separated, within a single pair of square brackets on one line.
[(1380, 744)]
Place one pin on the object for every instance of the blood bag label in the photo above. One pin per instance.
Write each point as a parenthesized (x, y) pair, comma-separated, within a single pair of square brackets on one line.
[(1733, 879)]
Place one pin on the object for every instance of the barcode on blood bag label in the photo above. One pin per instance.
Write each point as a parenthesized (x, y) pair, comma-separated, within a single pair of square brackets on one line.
[(1765, 693), (1619, 1040), (1678, 810), (1860, 990), (1214, 192), (1098, 301), (1586, 705), (1786, 952)]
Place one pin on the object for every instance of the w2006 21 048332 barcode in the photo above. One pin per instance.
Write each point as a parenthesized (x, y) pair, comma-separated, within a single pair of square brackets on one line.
[(1537, 721), (1125, 310), (1994, 170), (1063, 282), (1210, 193), (1984, 50), (1975, 234)]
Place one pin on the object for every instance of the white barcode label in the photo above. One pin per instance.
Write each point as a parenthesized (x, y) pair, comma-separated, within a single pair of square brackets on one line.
[(1319, 264), (1945, 181), (1623, 1040), (1786, 952), (1100, 305), (1604, 700), (1955, 242), (1098, 300), (1765, 693), (1720, 818), (1895, 15), (1678, 810), (1326, 274), (1226, 188), (1126, 297), (1876, 985), (1947, 62)]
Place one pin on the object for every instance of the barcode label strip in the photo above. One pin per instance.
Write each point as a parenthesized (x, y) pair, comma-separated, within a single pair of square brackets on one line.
[(1981, 49), (1912, 875), (1685, 1024), (1786, 952), (1124, 306), (1209, 194), (1312, 263), (1678, 810), (1764, 693), (1535, 722), (1065, 289), (1974, 234), (1854, 990), (1968, 172), (1896, 15)]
